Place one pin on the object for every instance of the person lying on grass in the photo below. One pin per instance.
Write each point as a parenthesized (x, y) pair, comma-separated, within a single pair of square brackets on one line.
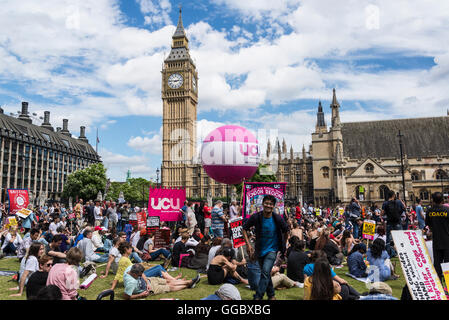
[(125, 250), (138, 286)]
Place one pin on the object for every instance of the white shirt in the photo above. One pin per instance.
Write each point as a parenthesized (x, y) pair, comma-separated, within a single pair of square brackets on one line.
[(233, 212), (16, 242), (97, 212)]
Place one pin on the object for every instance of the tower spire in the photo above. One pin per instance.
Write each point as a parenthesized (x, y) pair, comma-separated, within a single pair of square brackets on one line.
[(335, 106), (180, 32)]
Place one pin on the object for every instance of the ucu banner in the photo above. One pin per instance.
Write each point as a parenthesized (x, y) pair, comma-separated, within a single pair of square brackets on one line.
[(166, 203)]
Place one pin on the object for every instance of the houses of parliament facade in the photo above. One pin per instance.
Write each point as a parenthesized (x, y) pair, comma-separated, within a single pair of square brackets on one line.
[(344, 160)]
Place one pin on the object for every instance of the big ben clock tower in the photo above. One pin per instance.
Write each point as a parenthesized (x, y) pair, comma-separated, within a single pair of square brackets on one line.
[(179, 99)]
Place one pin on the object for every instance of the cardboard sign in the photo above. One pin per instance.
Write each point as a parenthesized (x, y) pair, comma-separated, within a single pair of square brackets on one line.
[(18, 199), (161, 238), (23, 213), (369, 228), (236, 232), (166, 203), (445, 269), (153, 223), (12, 221), (254, 192), (422, 279), (341, 212)]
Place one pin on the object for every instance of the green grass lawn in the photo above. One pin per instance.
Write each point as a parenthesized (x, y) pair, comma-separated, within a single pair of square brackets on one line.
[(202, 289)]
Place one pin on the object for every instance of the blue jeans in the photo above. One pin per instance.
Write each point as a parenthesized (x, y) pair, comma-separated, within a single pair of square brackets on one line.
[(136, 257), (265, 284), (102, 258), (218, 232), (155, 271), (105, 222), (253, 275), (157, 253)]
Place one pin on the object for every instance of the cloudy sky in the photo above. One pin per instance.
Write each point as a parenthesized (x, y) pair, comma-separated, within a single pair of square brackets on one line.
[(262, 64)]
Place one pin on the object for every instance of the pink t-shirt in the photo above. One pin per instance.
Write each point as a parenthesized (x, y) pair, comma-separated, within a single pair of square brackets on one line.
[(66, 278)]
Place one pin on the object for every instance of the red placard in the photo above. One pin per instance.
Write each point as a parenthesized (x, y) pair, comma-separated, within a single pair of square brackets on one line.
[(161, 238), (141, 220), (18, 199), (236, 231)]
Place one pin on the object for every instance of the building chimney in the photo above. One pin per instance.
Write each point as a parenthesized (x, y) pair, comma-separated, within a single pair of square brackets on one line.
[(65, 127), (24, 115), (83, 134), (58, 129), (46, 124)]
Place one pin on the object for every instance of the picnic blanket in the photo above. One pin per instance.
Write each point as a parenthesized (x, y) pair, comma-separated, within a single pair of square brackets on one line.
[(7, 273), (365, 280)]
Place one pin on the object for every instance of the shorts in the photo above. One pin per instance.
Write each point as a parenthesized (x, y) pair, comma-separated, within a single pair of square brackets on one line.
[(215, 274), (158, 285), (207, 222)]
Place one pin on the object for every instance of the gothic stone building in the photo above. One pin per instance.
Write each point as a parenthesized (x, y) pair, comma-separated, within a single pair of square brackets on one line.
[(181, 166), (362, 159), (38, 158)]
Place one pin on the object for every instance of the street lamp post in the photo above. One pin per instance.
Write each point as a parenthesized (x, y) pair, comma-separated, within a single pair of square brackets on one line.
[(157, 177), (402, 167), (440, 166)]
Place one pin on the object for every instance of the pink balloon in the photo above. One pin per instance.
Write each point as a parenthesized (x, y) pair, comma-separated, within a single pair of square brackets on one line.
[(230, 154)]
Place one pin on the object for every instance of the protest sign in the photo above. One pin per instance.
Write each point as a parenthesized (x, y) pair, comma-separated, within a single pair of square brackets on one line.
[(11, 222), (341, 212), (236, 231), (86, 283), (254, 192), (141, 221), (161, 238), (422, 279), (23, 213), (369, 227), (445, 269), (18, 199), (153, 223), (166, 203)]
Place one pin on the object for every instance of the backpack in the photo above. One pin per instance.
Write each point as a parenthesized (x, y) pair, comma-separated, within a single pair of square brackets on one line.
[(393, 212)]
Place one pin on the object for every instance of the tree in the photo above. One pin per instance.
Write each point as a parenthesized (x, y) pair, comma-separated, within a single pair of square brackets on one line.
[(86, 183), (135, 190)]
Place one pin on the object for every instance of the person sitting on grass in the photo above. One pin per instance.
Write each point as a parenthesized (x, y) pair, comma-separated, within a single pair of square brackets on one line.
[(356, 264), (152, 253), (380, 263), (38, 279), (65, 275), (53, 249), (296, 261), (282, 281), (320, 285), (114, 258), (11, 242), (221, 266), (138, 286), (29, 265), (86, 246)]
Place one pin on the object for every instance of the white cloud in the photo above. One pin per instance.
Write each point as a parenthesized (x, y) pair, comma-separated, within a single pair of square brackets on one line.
[(117, 165), (151, 145)]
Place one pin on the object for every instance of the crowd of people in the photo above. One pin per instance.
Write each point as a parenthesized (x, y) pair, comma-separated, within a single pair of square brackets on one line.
[(58, 246)]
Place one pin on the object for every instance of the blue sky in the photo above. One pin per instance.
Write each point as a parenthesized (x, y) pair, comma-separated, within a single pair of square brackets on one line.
[(262, 64)]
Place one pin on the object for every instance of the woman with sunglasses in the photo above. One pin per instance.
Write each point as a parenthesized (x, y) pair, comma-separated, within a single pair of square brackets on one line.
[(38, 279), (29, 265)]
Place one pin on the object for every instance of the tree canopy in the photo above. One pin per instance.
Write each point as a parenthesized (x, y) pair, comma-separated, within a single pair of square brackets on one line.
[(86, 183)]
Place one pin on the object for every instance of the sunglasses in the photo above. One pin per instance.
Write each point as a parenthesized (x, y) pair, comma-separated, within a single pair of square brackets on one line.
[(49, 264)]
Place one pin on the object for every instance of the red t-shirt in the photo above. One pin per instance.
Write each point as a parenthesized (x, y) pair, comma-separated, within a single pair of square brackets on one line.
[(298, 213), (207, 212)]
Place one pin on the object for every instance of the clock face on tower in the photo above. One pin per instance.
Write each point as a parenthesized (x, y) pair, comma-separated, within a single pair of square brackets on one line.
[(175, 80)]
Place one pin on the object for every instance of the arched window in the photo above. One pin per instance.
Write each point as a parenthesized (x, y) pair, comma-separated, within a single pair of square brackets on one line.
[(415, 176), (383, 192), (424, 194), (440, 174), (369, 168), (325, 171)]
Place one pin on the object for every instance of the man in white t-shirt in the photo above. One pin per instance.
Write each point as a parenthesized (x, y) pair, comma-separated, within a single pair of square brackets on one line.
[(190, 219), (233, 210), (98, 216), (54, 225)]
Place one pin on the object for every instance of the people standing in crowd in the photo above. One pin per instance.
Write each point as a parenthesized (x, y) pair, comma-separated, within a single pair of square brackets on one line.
[(392, 209), (437, 219), (420, 215), (207, 218), (112, 215), (218, 219), (233, 212), (271, 236), (354, 213), (191, 221)]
